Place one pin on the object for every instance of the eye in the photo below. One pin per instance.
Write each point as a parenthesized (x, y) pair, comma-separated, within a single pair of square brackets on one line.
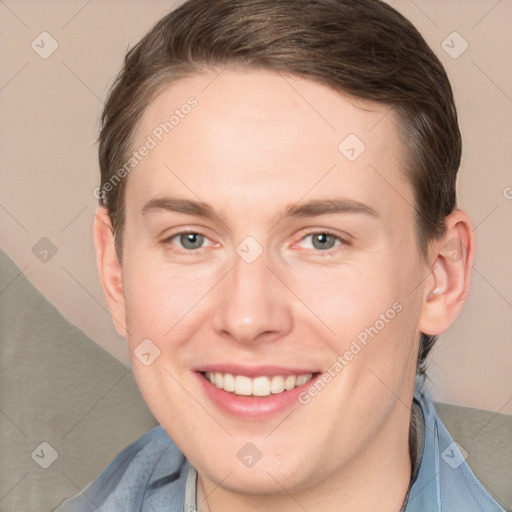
[(189, 240), (321, 241)]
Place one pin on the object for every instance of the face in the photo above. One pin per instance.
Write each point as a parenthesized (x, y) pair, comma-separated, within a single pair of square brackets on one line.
[(270, 246)]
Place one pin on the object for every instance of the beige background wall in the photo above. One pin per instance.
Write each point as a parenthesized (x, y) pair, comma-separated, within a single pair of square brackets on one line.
[(49, 110)]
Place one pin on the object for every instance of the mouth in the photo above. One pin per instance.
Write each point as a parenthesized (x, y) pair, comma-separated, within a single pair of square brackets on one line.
[(261, 386), (254, 394)]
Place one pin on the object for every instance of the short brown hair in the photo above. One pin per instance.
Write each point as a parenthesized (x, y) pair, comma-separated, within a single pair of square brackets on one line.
[(361, 47)]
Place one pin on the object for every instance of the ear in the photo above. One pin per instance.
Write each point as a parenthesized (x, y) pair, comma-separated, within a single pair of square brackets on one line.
[(447, 286), (109, 269)]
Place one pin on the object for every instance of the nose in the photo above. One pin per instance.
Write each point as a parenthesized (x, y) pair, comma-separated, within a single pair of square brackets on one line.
[(253, 304)]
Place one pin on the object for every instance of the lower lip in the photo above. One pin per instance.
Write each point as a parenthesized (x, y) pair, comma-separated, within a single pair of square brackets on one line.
[(253, 407)]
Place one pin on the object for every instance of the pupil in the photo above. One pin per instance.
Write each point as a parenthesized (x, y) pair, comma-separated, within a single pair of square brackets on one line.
[(323, 241), (191, 240)]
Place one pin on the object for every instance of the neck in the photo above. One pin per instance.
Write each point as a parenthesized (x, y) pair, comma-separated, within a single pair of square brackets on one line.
[(378, 479)]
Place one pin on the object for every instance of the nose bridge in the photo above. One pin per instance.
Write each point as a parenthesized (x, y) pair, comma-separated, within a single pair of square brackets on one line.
[(250, 282), (253, 305)]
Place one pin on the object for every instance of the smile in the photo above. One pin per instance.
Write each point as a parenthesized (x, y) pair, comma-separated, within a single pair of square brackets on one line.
[(258, 386)]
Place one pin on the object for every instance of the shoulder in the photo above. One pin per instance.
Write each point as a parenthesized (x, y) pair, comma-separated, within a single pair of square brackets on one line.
[(444, 480), (151, 472)]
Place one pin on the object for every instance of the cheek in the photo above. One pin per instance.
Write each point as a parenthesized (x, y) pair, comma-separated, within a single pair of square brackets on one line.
[(349, 297), (370, 314), (161, 298)]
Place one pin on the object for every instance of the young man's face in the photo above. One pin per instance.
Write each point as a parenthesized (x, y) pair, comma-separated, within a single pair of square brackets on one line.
[(305, 255)]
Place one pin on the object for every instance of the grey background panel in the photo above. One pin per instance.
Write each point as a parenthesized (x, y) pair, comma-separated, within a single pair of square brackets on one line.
[(59, 387)]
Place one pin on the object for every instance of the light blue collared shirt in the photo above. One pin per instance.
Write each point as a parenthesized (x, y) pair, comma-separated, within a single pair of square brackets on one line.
[(152, 475)]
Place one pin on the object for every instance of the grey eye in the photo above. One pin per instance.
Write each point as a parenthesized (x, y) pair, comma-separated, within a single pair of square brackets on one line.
[(191, 240), (323, 241)]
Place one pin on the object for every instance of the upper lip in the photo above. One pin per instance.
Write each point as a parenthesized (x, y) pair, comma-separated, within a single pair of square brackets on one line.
[(253, 371)]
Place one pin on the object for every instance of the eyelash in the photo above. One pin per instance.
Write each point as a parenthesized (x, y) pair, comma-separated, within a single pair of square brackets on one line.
[(342, 241)]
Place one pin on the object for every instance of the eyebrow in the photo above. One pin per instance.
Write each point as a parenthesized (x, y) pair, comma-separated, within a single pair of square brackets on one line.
[(312, 208), (328, 206), (173, 204)]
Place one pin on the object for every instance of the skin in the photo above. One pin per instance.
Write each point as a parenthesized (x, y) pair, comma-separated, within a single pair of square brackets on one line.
[(257, 143)]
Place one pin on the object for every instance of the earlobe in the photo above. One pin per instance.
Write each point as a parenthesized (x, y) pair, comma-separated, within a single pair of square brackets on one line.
[(447, 287), (109, 269)]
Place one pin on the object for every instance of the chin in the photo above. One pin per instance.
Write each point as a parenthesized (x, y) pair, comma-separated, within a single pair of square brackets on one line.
[(266, 477)]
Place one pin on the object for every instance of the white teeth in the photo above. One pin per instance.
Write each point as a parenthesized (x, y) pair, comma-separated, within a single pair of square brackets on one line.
[(259, 386), (290, 382), (301, 379), (243, 385), (229, 382), (277, 384)]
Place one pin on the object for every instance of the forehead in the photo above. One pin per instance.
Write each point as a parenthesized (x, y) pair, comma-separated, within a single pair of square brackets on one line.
[(255, 134)]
